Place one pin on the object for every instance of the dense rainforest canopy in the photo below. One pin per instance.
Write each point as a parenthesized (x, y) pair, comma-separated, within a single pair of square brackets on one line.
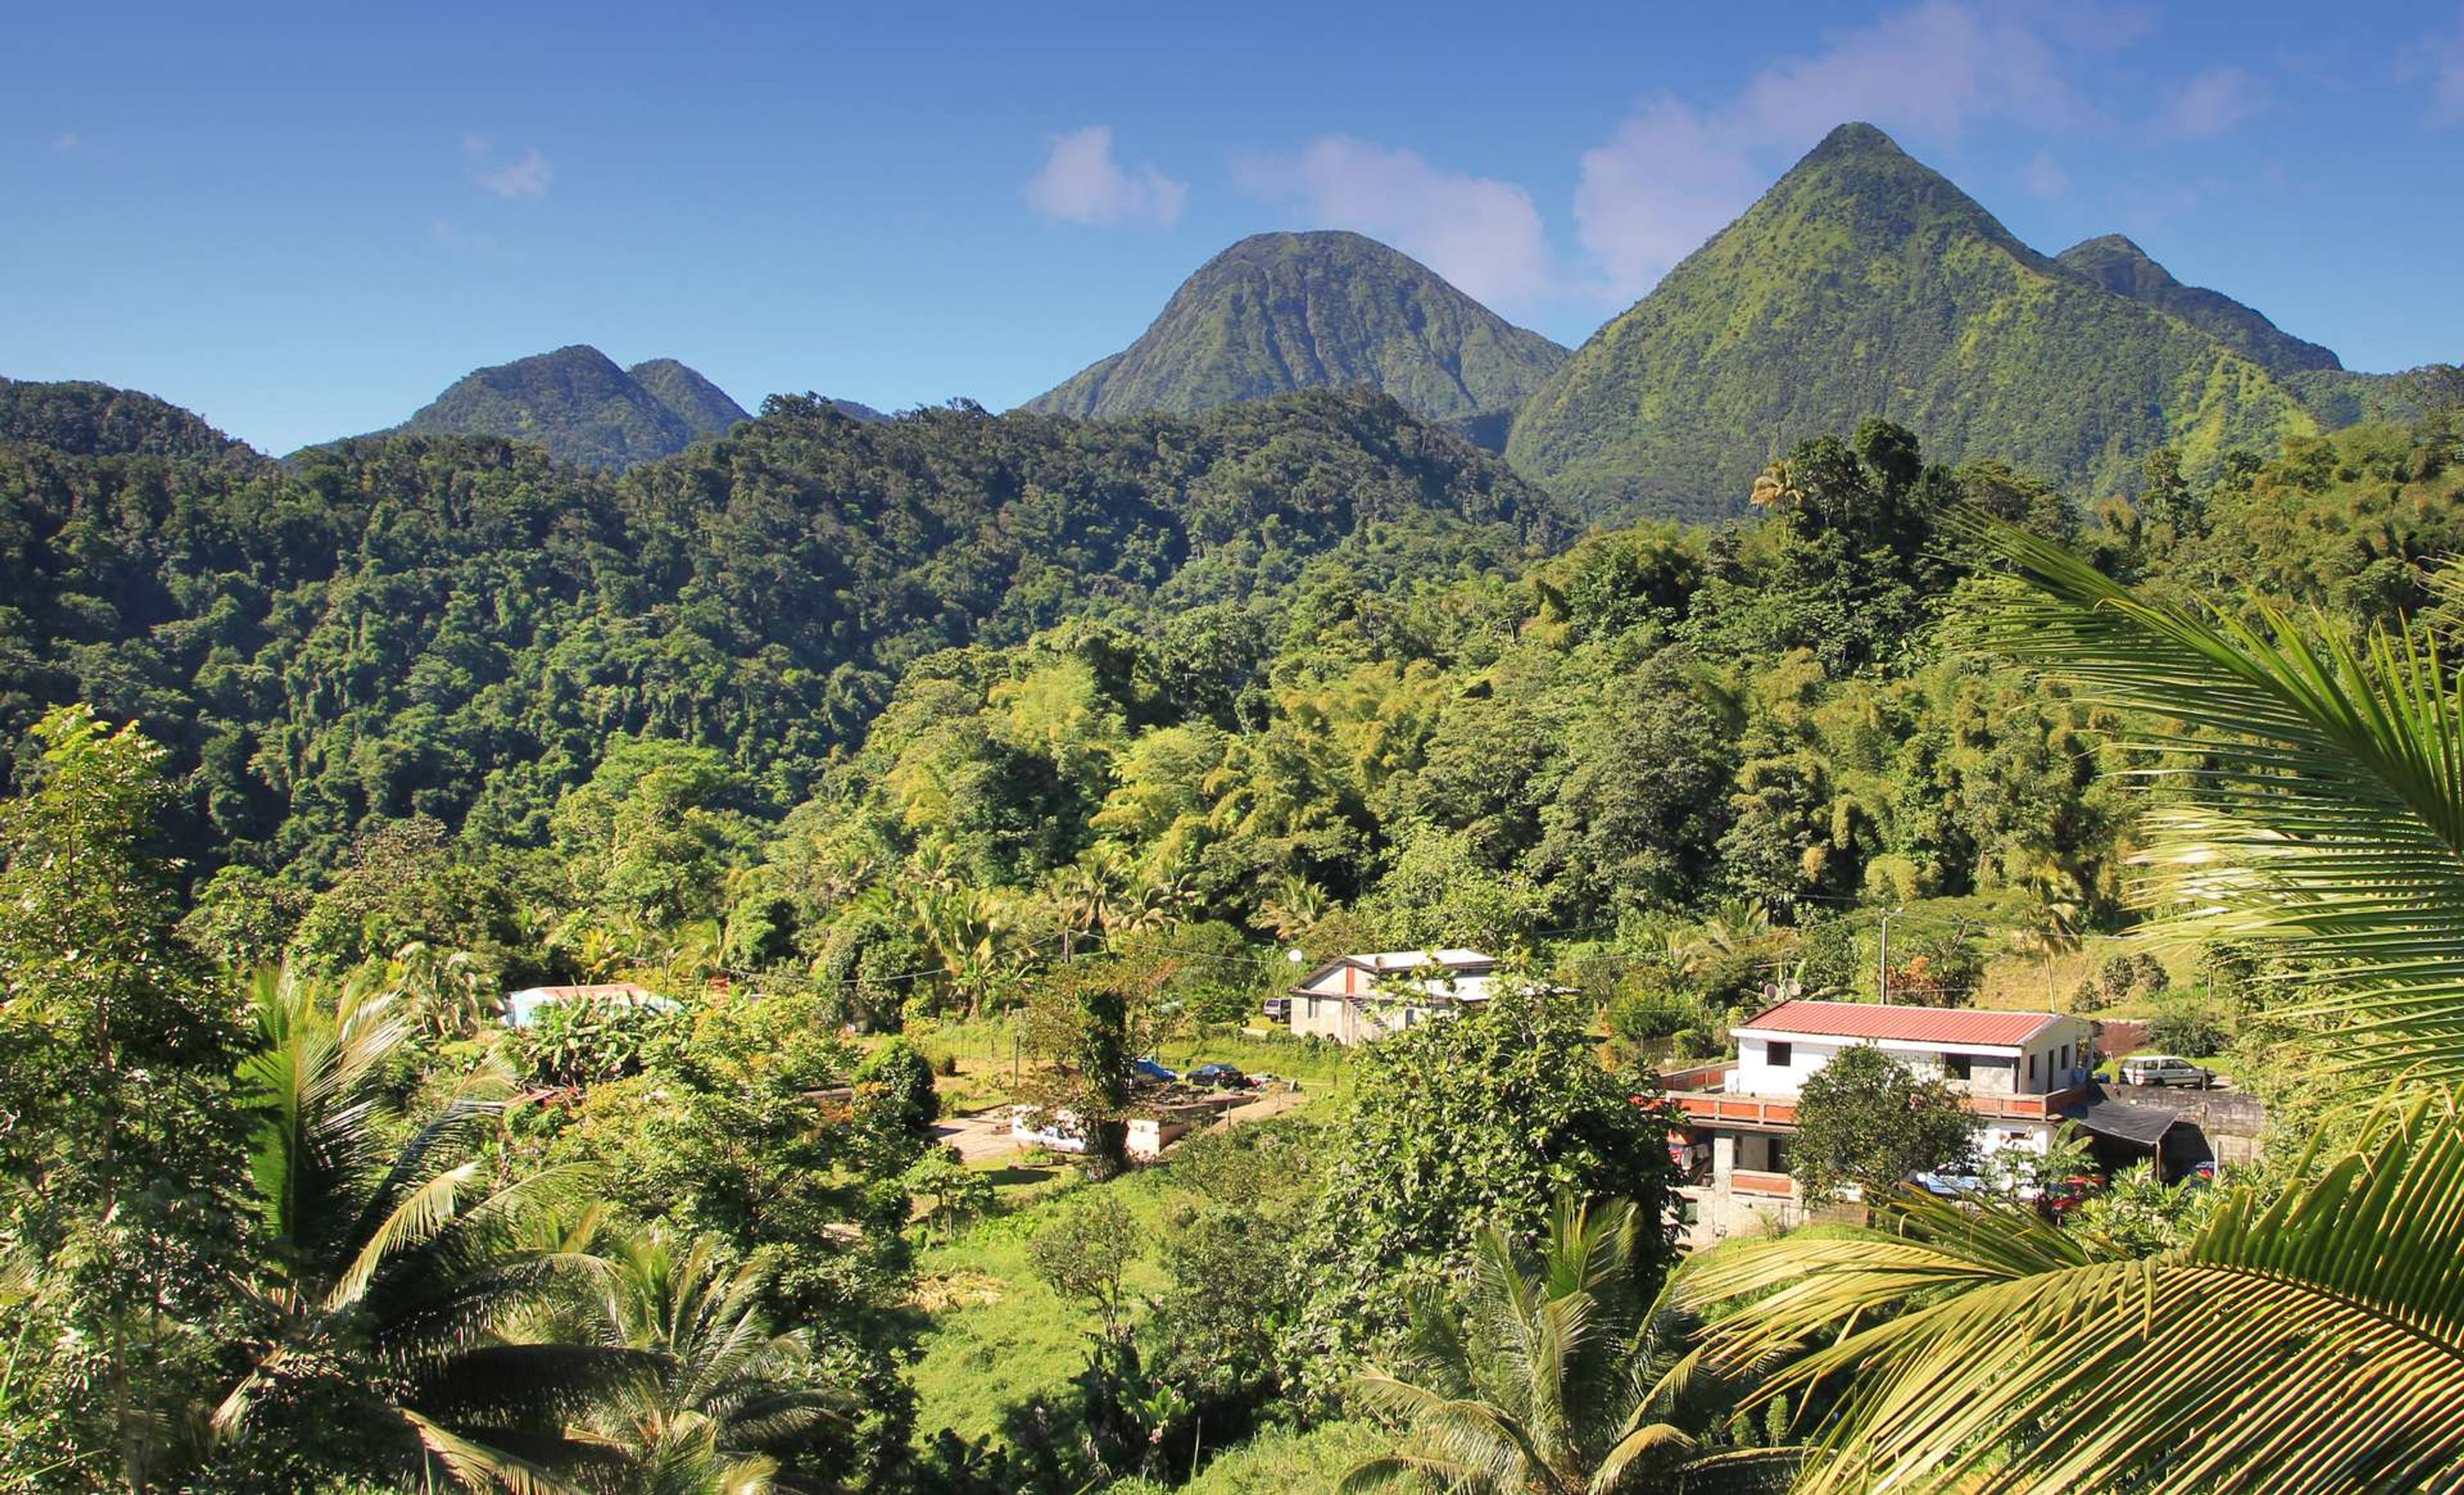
[(872, 739)]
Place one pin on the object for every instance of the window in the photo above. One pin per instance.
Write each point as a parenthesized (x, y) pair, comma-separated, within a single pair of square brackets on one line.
[(2032, 1068), (1779, 1054), (1958, 1066), (2066, 1056)]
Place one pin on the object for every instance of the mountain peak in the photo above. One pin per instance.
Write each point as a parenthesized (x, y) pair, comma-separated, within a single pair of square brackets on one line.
[(1866, 283), (581, 406), (2111, 260), (1283, 311), (705, 409), (1854, 139)]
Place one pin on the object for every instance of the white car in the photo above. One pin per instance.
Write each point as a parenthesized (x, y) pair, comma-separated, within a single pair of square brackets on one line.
[(2163, 1069)]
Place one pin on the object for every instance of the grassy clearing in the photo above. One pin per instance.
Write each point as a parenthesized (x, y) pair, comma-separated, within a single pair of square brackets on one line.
[(999, 1337), (1278, 1462)]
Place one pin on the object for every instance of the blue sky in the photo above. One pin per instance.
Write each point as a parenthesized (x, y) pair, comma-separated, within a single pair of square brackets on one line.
[(304, 222)]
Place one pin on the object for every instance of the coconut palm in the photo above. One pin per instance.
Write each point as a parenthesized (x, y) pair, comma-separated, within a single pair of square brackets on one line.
[(1556, 1375), (397, 1262), (2051, 927), (2310, 1342), (720, 1396)]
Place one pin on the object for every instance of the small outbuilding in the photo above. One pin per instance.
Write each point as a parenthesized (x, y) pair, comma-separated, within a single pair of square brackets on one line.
[(522, 1008)]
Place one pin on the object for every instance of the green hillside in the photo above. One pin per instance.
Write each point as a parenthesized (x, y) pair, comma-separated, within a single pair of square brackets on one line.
[(705, 409), (1864, 283), (2121, 267), (98, 421), (455, 626), (1279, 312), (582, 409)]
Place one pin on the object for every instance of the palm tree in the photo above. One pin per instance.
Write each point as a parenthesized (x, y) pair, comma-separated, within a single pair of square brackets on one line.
[(397, 1264), (1295, 907), (2311, 1342), (2052, 930), (1554, 1377), (720, 1395)]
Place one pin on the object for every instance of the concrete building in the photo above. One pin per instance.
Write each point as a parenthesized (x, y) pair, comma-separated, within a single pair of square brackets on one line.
[(1358, 999), (2020, 1073)]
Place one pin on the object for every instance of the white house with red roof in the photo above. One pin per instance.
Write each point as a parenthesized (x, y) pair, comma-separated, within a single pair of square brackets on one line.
[(2019, 1072)]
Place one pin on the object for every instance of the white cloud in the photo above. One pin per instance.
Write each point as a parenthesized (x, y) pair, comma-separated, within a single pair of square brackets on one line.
[(2212, 102), (67, 141), (1674, 174), (518, 181), (2044, 176), (1479, 233), (1082, 183)]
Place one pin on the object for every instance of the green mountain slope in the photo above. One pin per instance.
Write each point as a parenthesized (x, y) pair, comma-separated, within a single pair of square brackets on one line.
[(93, 419), (703, 407), (1864, 283), (1279, 312), (581, 407), (2121, 267), (575, 402), (457, 625)]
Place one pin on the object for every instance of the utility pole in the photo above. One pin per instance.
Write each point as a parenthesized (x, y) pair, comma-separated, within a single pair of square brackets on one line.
[(1884, 961)]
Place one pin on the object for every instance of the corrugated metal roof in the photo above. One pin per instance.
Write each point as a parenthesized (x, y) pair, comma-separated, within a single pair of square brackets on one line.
[(1414, 959), (2141, 1125), (1906, 1025)]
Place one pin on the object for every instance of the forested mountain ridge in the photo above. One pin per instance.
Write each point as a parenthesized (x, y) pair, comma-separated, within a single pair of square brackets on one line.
[(457, 625), (705, 409), (1278, 312), (578, 404), (93, 420), (1865, 282), (2121, 267)]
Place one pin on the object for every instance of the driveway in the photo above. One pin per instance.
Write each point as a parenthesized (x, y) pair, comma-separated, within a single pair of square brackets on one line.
[(980, 1137)]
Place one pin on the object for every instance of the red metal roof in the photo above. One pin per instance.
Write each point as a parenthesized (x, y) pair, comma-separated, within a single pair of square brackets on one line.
[(1906, 1025)]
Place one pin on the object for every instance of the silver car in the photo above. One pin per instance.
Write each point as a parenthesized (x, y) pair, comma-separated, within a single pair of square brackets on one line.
[(2163, 1069)]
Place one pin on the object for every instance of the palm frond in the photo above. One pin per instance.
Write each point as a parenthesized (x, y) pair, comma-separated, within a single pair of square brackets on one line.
[(2311, 1343), (478, 1467), (1471, 1436), (2317, 789)]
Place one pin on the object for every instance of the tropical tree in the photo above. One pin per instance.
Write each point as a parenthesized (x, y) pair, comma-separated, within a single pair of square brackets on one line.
[(1556, 1373), (384, 1339), (2312, 1341), (719, 1397), (2050, 925), (1866, 1119), (119, 1162)]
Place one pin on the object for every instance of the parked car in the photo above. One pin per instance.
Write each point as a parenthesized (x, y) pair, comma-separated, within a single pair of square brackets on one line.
[(1277, 1009), (1217, 1077), (2165, 1069), (2059, 1199)]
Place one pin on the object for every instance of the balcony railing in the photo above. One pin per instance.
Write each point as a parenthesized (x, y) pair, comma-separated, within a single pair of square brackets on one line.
[(1748, 1180), (1703, 1093)]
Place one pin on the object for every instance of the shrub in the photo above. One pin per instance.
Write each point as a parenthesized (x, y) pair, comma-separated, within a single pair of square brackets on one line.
[(590, 1042), (2190, 1029)]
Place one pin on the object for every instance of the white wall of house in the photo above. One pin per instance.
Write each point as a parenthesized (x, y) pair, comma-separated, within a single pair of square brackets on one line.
[(1351, 1020), (1781, 1064)]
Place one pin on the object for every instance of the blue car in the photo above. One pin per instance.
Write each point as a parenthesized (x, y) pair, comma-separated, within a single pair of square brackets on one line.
[(1218, 1077)]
